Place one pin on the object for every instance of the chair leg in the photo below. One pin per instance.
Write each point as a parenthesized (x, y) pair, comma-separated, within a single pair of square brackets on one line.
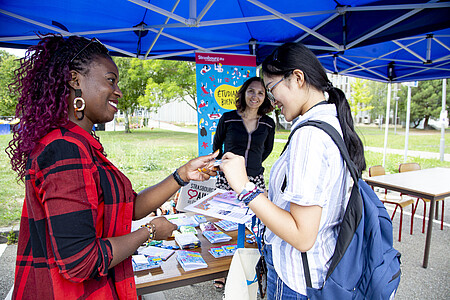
[(393, 214), (401, 222), (436, 212), (442, 216), (424, 214), (413, 212)]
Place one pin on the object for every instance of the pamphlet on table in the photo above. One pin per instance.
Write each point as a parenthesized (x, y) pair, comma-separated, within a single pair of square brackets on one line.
[(222, 204)]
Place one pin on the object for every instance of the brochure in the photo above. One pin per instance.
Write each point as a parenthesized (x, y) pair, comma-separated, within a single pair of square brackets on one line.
[(142, 262), (190, 260), (227, 225), (200, 219), (182, 220), (187, 241), (219, 209), (156, 252), (224, 250), (216, 236)]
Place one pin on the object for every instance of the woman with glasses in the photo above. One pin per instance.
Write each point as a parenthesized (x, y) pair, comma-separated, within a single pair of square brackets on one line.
[(249, 132), (309, 183), (75, 237)]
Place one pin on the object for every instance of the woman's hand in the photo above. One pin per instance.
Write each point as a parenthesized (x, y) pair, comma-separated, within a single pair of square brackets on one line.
[(233, 166), (199, 169), (164, 228)]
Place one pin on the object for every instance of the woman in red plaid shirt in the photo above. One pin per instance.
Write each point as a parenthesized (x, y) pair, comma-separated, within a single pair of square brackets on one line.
[(75, 239)]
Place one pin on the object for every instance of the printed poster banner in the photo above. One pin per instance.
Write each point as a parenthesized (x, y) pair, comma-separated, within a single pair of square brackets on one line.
[(219, 77), (195, 190)]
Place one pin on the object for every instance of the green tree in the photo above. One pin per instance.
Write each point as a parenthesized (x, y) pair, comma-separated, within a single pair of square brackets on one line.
[(426, 101), (170, 81), (8, 100), (361, 97), (134, 74), (378, 91)]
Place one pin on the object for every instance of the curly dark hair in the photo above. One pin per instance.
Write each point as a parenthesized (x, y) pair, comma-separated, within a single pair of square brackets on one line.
[(42, 84), (241, 105)]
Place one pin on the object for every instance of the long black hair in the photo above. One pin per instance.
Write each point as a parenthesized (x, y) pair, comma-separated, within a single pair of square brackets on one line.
[(291, 56)]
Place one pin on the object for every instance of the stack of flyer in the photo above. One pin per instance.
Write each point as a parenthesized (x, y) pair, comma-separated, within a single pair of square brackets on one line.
[(190, 260), (187, 240), (225, 250), (227, 225), (156, 252), (216, 236), (142, 262), (182, 220)]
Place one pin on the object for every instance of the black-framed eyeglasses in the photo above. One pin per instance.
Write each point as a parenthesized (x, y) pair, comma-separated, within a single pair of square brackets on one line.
[(270, 96), (93, 40)]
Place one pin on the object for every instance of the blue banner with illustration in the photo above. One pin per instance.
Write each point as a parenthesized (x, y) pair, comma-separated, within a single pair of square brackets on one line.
[(219, 77)]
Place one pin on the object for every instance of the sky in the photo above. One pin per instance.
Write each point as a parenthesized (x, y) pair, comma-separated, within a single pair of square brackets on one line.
[(16, 52)]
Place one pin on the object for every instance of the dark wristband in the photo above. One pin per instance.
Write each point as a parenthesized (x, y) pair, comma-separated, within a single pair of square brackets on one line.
[(178, 179), (251, 196)]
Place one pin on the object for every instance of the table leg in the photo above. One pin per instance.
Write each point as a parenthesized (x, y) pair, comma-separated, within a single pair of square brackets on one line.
[(241, 236), (429, 230)]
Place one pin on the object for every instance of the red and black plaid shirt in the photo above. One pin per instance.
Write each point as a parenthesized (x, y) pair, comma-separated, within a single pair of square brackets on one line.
[(75, 198)]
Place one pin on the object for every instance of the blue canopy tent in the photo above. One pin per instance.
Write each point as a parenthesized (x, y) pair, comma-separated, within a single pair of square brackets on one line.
[(419, 57), (175, 29)]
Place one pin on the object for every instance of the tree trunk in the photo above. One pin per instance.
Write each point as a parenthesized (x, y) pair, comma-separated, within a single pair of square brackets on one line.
[(127, 122), (277, 120), (425, 122)]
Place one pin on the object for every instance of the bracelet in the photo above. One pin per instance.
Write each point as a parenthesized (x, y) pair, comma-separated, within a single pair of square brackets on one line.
[(151, 228), (178, 179), (250, 196)]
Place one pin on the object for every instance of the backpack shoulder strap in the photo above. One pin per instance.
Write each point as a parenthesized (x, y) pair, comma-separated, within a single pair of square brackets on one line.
[(336, 137)]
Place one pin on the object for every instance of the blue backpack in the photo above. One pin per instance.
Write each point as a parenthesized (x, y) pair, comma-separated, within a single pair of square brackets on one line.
[(364, 264)]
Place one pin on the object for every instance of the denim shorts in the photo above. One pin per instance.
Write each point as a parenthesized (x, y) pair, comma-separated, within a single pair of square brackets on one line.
[(276, 289)]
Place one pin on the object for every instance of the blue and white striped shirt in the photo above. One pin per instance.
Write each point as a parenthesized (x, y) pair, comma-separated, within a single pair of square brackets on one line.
[(316, 175)]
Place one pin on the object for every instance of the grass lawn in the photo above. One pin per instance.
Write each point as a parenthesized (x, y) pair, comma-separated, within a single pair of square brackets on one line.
[(147, 156), (419, 140)]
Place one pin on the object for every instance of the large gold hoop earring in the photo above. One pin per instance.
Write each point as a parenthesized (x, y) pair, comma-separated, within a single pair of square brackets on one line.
[(75, 105)]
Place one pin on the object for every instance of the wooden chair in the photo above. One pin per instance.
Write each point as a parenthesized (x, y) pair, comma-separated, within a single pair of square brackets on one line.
[(399, 203), (407, 167)]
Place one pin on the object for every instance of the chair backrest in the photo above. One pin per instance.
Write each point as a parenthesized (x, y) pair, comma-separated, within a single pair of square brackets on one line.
[(376, 170), (406, 167)]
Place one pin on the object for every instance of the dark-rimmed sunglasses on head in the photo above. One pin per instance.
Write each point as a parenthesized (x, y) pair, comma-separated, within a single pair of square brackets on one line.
[(93, 40)]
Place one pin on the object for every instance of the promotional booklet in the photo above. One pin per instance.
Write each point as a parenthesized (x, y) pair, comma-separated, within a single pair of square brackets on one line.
[(156, 252), (221, 208), (190, 260), (142, 262), (187, 240), (224, 250), (216, 236), (227, 225)]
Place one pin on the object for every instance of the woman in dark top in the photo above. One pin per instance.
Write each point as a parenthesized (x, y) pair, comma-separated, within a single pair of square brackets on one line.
[(247, 131)]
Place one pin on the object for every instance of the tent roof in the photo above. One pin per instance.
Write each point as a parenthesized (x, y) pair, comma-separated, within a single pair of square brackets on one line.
[(175, 29), (421, 57)]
